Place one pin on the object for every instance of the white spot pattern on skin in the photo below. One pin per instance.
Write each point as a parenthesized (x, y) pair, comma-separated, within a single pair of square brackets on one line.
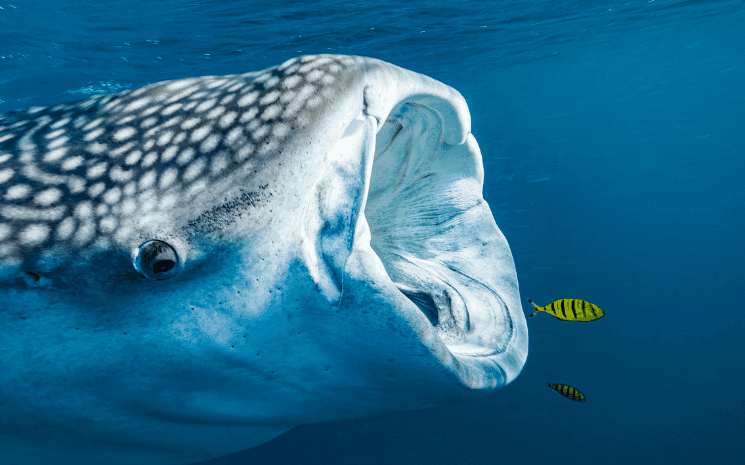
[(171, 109), (182, 95), (194, 170), (260, 132), (148, 145), (130, 188), (219, 163), (247, 99), (96, 148), (76, 185), (228, 119), (236, 87), (55, 134), (165, 138), (167, 178), (186, 155), (233, 135), (262, 77), (137, 104), (287, 96), (168, 201), (190, 123), (80, 121), (13, 212), (249, 115), (94, 134), (5, 231), (173, 121), (85, 233), (18, 192), (84, 209), (126, 120), (96, 189), (72, 163), (55, 154), (204, 106), (271, 112), (58, 142), (128, 206), (6, 174), (48, 197), (273, 81), (93, 124), (60, 123), (216, 83), (280, 130), (133, 157), (180, 137), (117, 174), (97, 170), (244, 152), (102, 209), (271, 97), (169, 153), (147, 180), (180, 84), (112, 196), (215, 112), (210, 143), (149, 159), (34, 234), (292, 81), (66, 228), (200, 133), (124, 133), (196, 187), (151, 110), (314, 75), (149, 122)]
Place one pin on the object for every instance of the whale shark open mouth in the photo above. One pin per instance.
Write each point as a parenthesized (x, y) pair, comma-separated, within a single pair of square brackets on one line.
[(439, 244)]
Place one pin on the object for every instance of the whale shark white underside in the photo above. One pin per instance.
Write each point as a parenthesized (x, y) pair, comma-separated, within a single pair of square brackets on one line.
[(191, 268)]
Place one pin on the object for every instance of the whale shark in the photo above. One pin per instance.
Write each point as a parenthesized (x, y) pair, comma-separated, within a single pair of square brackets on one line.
[(191, 268)]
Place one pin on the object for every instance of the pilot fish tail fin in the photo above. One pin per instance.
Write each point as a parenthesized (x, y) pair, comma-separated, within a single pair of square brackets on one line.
[(536, 308)]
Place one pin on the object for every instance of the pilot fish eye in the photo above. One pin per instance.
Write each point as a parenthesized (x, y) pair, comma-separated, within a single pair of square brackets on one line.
[(156, 260)]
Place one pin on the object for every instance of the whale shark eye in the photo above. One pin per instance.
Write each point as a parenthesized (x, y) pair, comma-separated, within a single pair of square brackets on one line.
[(156, 260)]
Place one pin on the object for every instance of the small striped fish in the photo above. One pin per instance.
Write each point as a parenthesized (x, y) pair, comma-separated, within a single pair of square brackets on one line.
[(570, 310), (568, 391)]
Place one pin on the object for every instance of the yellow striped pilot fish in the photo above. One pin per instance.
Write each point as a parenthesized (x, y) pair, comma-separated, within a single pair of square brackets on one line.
[(570, 310), (568, 391)]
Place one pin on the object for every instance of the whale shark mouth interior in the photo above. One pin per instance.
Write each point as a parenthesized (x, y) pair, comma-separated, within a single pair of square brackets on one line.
[(429, 226)]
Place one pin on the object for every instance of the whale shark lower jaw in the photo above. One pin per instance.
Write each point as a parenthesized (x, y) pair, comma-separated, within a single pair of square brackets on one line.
[(195, 266)]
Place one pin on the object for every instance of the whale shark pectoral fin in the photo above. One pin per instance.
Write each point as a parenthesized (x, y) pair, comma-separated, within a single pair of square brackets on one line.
[(334, 216)]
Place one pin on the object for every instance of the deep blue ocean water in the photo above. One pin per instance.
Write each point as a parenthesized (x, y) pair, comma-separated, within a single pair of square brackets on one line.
[(613, 136)]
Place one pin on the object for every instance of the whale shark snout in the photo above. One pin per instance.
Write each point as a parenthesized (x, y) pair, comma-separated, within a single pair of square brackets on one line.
[(193, 267)]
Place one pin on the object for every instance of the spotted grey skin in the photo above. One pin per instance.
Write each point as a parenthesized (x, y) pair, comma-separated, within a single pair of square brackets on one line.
[(193, 267), (74, 175)]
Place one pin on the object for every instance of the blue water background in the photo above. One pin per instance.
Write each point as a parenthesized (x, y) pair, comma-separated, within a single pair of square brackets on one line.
[(613, 139)]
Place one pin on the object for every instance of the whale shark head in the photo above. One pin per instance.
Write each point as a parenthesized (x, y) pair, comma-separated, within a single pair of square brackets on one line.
[(193, 267)]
